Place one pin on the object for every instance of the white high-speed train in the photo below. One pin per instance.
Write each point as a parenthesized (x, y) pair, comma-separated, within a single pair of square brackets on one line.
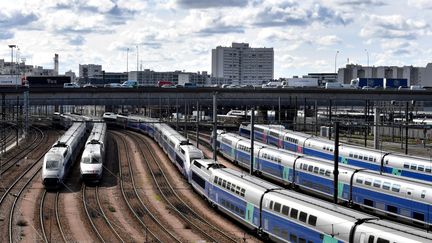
[(93, 157), (60, 158)]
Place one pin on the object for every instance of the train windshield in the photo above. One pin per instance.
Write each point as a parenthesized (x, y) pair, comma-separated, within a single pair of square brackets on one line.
[(52, 164), (52, 161), (90, 160)]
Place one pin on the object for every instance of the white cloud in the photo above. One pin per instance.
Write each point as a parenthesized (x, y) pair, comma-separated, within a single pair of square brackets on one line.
[(393, 26), (421, 4), (179, 34)]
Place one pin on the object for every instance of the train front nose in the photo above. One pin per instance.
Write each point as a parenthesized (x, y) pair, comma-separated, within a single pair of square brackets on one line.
[(51, 182)]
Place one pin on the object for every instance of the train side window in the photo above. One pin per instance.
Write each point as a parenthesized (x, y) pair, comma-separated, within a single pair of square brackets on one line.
[(321, 171), (285, 210), (428, 169), (233, 188), (305, 166), (420, 167), (396, 187), (371, 239), (375, 160), (409, 191), (293, 238), (271, 205), (242, 192), (215, 179), (312, 220), (359, 180), (406, 165), (316, 169), (301, 240), (371, 159), (277, 207), (413, 167), (228, 186), (310, 168), (418, 216), (220, 182), (350, 154), (294, 213), (377, 183), (386, 185), (360, 157), (303, 216), (224, 183), (368, 181), (327, 173), (355, 156), (423, 194), (381, 240), (237, 190)]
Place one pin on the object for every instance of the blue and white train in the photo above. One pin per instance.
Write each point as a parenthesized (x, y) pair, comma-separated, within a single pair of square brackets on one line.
[(286, 216), (386, 162), (274, 212), (60, 158), (407, 199), (93, 157)]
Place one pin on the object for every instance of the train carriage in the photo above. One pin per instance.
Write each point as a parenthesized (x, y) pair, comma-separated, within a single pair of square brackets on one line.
[(285, 216), (385, 194)]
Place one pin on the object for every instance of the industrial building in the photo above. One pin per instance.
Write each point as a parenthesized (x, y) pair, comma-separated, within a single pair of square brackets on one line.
[(149, 77), (415, 75)]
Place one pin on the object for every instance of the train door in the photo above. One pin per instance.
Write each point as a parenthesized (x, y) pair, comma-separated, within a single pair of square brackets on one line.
[(249, 213)]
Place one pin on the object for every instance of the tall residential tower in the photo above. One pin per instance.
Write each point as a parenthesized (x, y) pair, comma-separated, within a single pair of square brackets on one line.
[(243, 64)]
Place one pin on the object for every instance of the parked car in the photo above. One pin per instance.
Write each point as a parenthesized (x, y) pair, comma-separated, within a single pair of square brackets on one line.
[(89, 86), (113, 85), (71, 85)]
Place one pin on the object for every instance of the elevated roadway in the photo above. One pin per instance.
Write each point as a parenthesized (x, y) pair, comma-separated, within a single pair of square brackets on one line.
[(229, 97)]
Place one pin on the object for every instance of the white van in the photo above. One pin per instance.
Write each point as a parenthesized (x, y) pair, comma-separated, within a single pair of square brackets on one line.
[(70, 85)]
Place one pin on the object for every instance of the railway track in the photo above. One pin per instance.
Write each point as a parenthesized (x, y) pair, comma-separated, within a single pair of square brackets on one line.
[(153, 227), (178, 205), (16, 156), (97, 217), (49, 213), (12, 192)]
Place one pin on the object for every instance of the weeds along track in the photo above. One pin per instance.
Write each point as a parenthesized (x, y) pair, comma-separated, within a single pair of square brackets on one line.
[(177, 204), (49, 218), (101, 225), (19, 180), (153, 227)]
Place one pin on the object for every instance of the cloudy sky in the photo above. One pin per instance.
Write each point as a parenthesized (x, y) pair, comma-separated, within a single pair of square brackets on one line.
[(179, 34)]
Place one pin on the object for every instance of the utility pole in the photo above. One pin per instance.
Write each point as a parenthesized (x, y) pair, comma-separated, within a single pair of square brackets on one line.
[(336, 163), (214, 125), (252, 138), (197, 124), (406, 127)]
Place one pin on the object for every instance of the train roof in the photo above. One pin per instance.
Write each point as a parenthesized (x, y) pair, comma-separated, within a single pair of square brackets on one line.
[(66, 138)]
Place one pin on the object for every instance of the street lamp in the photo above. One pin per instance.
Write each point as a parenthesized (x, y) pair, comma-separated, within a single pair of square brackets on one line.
[(127, 60), (367, 55), (11, 47), (337, 52)]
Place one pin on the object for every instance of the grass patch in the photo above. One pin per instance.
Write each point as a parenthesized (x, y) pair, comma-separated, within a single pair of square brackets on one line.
[(158, 198), (22, 223), (111, 209)]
